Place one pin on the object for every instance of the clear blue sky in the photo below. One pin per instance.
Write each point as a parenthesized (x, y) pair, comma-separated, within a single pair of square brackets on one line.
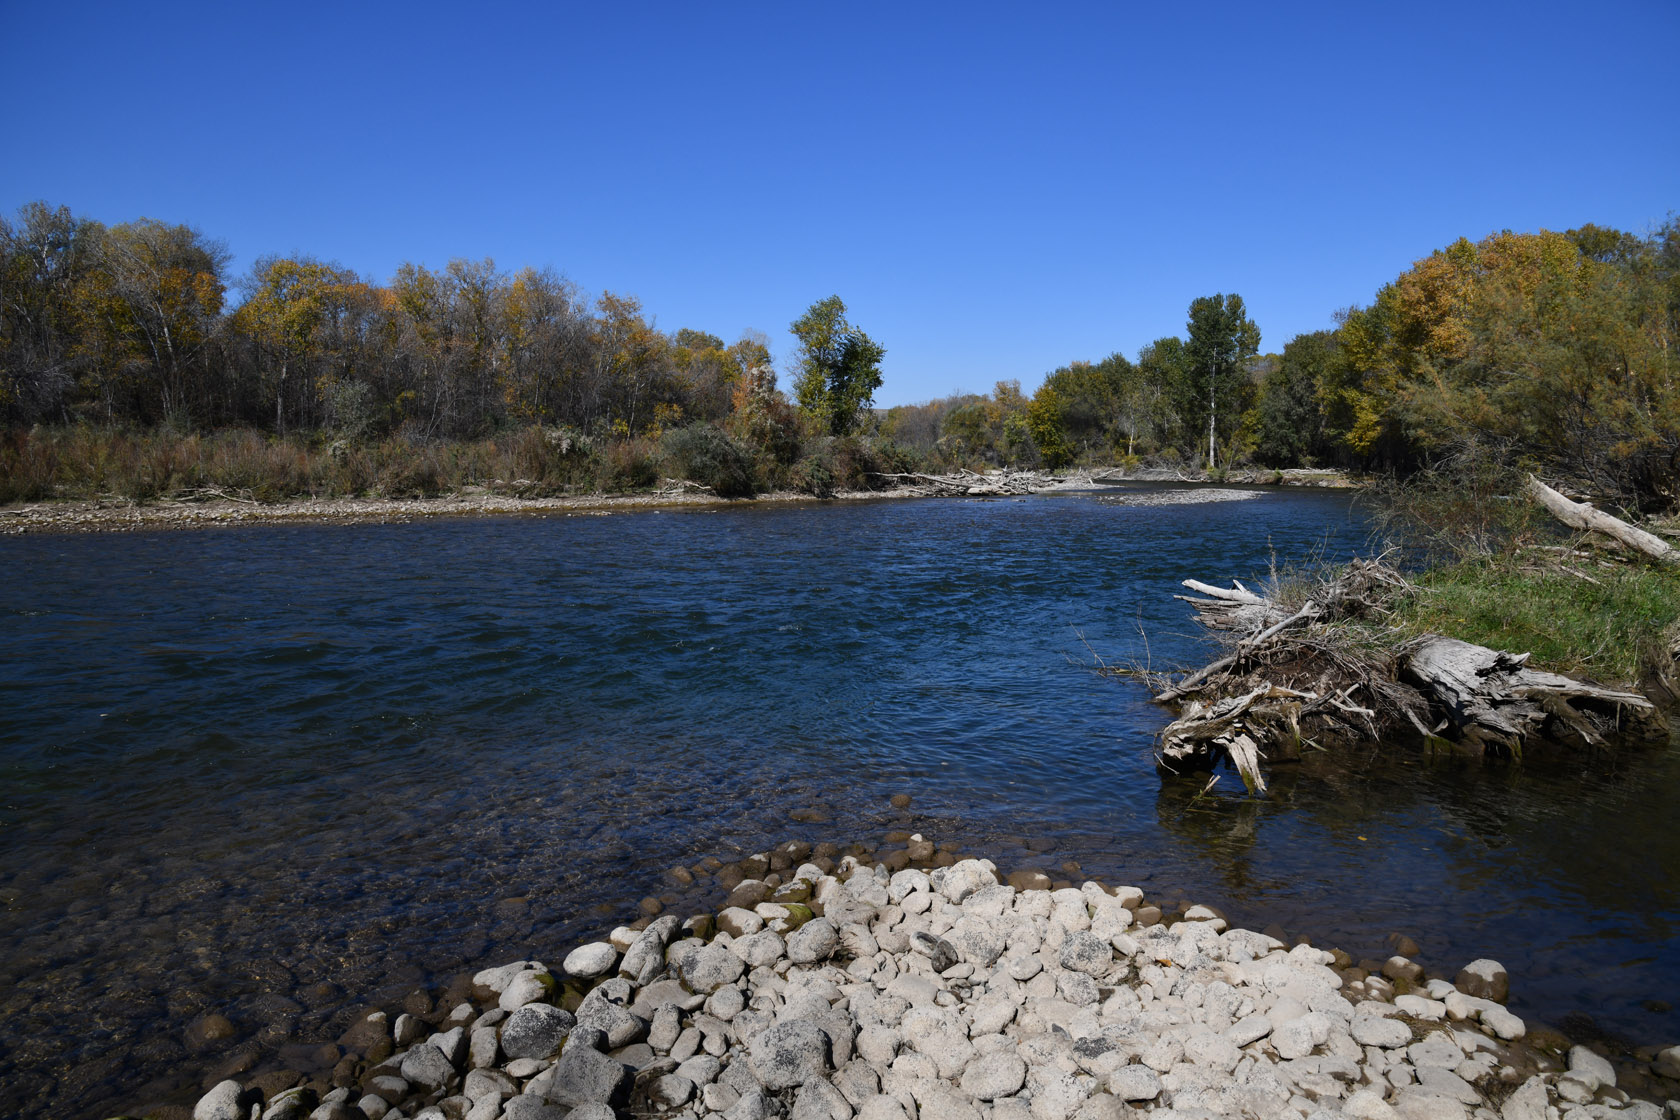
[(994, 189)]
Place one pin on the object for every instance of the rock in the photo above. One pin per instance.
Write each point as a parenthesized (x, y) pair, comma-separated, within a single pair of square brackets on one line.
[(939, 952), (1503, 1024), (619, 1027), (878, 1044), (753, 1105), (1055, 1093), (709, 969), (1446, 1083), (814, 941), (789, 1053), (528, 1107), (819, 1100), (1371, 1030), (526, 987), (535, 1031), (990, 1076), (452, 1044), (666, 1028), (589, 961), (1083, 951), (1590, 1069), (936, 1102), (408, 1029), (702, 1069), (963, 878), (738, 921), (647, 953), (1419, 1007), (483, 1082), (1103, 1106), (1484, 979), (1250, 1028), (1528, 1102), (880, 1107), (1212, 1051), (1293, 1039), (226, 1101), (1413, 1103), (1135, 1083), (765, 947), (666, 1092), (1369, 1105), (978, 941), (294, 1104), (483, 1047), (1399, 968), (427, 1067), (585, 1076), (1027, 880)]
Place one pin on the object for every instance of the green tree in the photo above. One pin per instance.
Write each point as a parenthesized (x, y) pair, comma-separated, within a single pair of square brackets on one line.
[(1290, 423), (1046, 422), (1222, 340), (839, 367)]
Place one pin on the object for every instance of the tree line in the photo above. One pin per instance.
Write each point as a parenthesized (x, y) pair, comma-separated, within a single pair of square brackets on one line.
[(1555, 352), (1548, 350)]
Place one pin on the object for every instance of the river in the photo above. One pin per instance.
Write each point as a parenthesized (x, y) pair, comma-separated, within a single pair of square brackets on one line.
[(281, 772)]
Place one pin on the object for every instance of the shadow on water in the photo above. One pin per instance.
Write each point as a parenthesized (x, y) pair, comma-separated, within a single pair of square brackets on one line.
[(281, 773)]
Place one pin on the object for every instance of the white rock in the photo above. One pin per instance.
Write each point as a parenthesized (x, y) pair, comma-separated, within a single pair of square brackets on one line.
[(1528, 1102), (525, 987), (1503, 1023), (586, 962), (1590, 1069), (1135, 1083)]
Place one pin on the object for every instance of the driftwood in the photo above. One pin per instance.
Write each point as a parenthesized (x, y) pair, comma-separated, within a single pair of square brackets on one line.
[(1493, 703), (964, 483), (1291, 679), (1580, 515)]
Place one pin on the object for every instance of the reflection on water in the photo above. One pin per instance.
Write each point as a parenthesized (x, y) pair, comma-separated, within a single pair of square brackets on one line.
[(283, 772)]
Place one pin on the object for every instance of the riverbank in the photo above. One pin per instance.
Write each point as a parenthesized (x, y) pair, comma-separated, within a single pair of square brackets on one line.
[(912, 984), (209, 511)]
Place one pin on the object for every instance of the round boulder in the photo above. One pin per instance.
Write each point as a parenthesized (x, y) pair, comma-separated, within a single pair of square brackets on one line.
[(1083, 951), (814, 941), (789, 1054), (708, 969), (1484, 979), (589, 961), (535, 1031)]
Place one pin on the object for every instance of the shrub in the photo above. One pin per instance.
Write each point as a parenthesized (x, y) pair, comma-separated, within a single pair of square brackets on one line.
[(630, 465), (705, 455)]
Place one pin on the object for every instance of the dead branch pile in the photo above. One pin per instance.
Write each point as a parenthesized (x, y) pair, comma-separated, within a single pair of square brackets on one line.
[(1293, 677)]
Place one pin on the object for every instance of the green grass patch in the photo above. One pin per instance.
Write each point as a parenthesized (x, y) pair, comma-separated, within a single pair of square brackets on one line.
[(1526, 603)]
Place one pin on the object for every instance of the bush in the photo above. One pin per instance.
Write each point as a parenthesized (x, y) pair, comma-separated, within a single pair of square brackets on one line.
[(705, 455), (631, 464)]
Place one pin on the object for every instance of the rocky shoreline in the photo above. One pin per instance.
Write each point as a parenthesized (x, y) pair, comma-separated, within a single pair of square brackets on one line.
[(927, 987), (119, 515)]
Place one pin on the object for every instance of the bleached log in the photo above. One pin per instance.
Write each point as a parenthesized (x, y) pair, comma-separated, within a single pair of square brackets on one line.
[(1580, 515), (1494, 703)]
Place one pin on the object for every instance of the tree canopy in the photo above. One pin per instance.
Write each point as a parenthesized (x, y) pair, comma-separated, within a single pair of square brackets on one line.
[(839, 367)]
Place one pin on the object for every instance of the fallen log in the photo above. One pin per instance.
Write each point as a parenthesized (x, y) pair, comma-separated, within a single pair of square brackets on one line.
[(1493, 703), (1580, 515)]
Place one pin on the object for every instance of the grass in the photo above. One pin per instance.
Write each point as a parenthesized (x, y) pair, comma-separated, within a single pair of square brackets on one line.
[(1527, 601)]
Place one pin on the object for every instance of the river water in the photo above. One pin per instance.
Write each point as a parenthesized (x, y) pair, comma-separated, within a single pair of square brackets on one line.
[(281, 772)]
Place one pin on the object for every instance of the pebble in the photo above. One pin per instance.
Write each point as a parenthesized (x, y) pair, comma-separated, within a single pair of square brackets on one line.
[(886, 992)]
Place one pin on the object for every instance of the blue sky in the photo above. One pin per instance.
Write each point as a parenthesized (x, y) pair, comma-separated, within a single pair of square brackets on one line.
[(994, 190)]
